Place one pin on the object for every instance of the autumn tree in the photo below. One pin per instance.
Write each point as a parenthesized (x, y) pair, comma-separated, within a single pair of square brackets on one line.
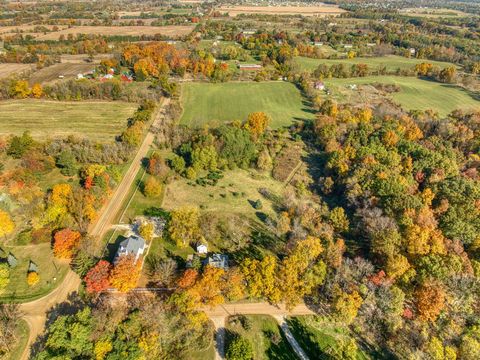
[(147, 230), (98, 278), (346, 305), (66, 242), (257, 123), (125, 274), (430, 301), (6, 224), (152, 187), (33, 278), (4, 275), (261, 278), (37, 91), (184, 226)]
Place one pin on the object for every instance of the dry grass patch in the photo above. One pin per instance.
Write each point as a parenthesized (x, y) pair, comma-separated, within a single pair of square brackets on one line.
[(171, 31), (67, 70), (9, 69)]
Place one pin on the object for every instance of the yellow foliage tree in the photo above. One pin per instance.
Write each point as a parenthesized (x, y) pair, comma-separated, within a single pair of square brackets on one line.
[(33, 278), (125, 274), (184, 226), (6, 224), (102, 348), (37, 91), (257, 123), (346, 305)]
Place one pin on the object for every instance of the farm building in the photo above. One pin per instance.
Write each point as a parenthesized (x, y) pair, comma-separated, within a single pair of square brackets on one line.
[(249, 66), (319, 85), (133, 245), (202, 249)]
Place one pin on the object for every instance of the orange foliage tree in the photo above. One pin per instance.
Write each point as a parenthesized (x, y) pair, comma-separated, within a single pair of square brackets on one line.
[(65, 243), (430, 301), (125, 274)]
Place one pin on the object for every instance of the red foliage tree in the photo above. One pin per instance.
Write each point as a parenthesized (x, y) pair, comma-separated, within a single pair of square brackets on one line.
[(98, 278)]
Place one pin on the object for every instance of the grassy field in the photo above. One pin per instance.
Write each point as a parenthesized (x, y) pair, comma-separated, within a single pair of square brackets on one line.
[(51, 272), (216, 103), (22, 336), (392, 63), (96, 120), (319, 10), (264, 334), (415, 94), (321, 339), (232, 194)]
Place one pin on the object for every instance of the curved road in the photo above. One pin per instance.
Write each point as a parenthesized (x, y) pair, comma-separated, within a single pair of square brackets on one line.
[(34, 312)]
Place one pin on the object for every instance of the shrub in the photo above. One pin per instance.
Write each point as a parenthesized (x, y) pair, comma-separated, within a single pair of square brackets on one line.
[(258, 204), (239, 349), (33, 278), (152, 187)]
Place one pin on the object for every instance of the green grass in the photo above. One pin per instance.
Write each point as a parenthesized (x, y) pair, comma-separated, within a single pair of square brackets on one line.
[(22, 338), (320, 339), (392, 63), (213, 104), (415, 94), (51, 273), (267, 339), (97, 120), (226, 196)]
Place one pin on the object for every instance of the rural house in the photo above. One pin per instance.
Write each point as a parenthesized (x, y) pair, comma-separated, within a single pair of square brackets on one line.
[(133, 245), (217, 260), (249, 66), (202, 249)]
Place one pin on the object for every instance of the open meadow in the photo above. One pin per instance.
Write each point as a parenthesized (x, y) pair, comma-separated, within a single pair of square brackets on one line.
[(414, 94), (97, 120), (233, 193), (314, 10), (392, 62), (170, 31), (216, 103)]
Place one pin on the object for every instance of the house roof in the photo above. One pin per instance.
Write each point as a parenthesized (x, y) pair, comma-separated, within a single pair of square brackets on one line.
[(132, 244), (217, 260)]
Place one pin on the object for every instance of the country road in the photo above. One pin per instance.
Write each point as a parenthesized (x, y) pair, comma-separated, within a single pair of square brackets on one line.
[(219, 314), (34, 312)]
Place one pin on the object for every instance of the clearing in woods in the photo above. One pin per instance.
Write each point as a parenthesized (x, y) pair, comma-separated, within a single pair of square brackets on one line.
[(391, 62), (414, 94), (96, 120), (213, 104)]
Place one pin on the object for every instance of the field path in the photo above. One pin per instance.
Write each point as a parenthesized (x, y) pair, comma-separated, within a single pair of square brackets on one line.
[(35, 312), (220, 314), (114, 204)]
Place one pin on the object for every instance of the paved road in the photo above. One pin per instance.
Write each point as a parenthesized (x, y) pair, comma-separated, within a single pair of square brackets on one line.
[(220, 313), (35, 311)]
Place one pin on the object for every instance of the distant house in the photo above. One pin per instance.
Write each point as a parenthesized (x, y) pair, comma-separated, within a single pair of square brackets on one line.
[(133, 245), (319, 85), (202, 249), (412, 51), (217, 260), (317, 43), (32, 267), (249, 66), (249, 32), (348, 46), (371, 44)]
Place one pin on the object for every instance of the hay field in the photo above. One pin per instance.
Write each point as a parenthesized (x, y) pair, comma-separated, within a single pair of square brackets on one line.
[(391, 62), (83, 58), (213, 104), (316, 10), (415, 93), (9, 69), (52, 73), (171, 31), (96, 120)]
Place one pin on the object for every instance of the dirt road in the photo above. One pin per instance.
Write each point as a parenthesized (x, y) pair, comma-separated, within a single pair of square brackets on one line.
[(114, 204), (220, 313), (35, 311)]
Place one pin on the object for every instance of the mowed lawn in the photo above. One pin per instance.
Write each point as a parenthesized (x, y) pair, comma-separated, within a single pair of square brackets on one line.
[(213, 104), (392, 62), (97, 120), (416, 94)]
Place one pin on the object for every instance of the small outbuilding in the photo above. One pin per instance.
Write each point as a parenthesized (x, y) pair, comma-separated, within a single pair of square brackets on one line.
[(202, 249)]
